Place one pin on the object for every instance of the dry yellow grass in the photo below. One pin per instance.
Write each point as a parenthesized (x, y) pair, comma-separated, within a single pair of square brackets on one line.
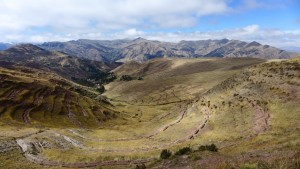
[(243, 109)]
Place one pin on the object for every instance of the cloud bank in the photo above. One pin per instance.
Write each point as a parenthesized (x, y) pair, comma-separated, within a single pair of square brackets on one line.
[(54, 20)]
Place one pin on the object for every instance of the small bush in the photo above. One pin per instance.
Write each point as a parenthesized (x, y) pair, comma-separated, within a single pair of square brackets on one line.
[(202, 148), (142, 166), (211, 147), (184, 150), (165, 154), (101, 89), (126, 78)]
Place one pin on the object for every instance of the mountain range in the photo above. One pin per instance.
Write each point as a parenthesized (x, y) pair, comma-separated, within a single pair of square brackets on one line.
[(4, 46), (142, 49)]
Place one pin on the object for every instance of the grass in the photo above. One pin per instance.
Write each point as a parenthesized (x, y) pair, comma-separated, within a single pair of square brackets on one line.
[(145, 107)]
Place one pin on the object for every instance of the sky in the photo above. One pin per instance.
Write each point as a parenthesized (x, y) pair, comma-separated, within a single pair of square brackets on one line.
[(273, 22)]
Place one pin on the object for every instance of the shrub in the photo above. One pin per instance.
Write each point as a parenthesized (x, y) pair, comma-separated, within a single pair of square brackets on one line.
[(165, 154), (184, 150), (142, 166), (211, 147), (125, 78), (101, 89), (202, 148)]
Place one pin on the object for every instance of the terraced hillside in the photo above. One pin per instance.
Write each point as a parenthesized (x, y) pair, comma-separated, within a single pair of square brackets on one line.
[(41, 99), (248, 108)]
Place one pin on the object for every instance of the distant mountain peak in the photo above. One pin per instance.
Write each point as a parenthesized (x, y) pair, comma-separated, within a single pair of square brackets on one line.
[(224, 40), (139, 39), (253, 43)]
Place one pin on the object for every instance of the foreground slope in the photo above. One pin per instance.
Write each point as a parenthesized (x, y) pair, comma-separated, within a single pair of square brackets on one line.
[(253, 119)]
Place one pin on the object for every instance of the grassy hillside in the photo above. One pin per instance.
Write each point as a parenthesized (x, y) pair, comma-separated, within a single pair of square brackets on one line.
[(173, 80), (254, 120), (248, 108)]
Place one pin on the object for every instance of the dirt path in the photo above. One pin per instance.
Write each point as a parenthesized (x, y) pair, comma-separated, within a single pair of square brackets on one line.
[(192, 135), (25, 148), (36, 158), (181, 116), (262, 119)]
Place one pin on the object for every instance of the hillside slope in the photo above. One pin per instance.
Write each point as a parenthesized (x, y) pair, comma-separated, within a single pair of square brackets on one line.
[(173, 80), (73, 68), (40, 98), (253, 120)]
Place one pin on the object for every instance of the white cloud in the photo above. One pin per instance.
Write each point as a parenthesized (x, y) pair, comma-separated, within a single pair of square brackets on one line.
[(38, 20), (132, 33), (69, 15), (275, 37), (62, 20), (251, 29)]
